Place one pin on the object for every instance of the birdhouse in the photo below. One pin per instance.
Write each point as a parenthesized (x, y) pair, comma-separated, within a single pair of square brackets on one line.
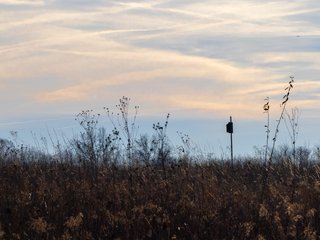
[(229, 127)]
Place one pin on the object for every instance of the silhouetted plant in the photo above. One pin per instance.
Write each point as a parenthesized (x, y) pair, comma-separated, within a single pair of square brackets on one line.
[(6, 149), (266, 108), (283, 108), (95, 145), (87, 145), (316, 153), (160, 144), (302, 156), (293, 128), (143, 151), (185, 148), (125, 126)]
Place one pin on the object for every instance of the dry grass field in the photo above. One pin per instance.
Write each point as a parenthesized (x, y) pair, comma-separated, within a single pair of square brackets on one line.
[(60, 199), (118, 186)]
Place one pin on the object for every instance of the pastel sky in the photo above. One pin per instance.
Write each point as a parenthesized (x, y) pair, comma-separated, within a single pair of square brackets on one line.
[(198, 60)]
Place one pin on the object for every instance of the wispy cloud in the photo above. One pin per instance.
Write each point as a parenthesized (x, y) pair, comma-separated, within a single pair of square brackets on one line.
[(23, 2), (209, 56)]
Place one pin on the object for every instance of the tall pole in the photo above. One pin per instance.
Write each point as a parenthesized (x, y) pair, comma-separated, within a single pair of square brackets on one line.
[(229, 129), (231, 143)]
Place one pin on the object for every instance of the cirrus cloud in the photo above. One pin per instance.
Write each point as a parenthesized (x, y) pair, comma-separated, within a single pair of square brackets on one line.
[(219, 54)]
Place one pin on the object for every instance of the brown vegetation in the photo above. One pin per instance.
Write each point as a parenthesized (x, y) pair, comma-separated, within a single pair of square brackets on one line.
[(116, 186), (212, 200)]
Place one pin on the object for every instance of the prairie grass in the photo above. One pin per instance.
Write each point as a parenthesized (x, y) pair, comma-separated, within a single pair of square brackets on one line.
[(208, 200), (117, 186)]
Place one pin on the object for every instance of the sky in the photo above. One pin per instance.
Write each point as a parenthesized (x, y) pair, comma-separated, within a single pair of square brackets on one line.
[(200, 61)]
